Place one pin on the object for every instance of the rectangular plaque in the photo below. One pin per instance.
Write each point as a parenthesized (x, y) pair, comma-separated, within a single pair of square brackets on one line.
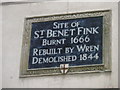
[(66, 44)]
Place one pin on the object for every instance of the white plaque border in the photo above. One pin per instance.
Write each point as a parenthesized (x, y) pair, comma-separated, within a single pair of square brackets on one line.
[(105, 66)]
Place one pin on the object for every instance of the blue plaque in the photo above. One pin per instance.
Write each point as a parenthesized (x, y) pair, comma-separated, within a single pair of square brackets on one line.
[(74, 41), (66, 44)]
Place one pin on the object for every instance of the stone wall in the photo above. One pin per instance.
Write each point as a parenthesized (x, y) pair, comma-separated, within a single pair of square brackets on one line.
[(13, 26)]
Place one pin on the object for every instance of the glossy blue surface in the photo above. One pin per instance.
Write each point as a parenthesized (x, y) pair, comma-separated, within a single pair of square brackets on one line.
[(95, 39)]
